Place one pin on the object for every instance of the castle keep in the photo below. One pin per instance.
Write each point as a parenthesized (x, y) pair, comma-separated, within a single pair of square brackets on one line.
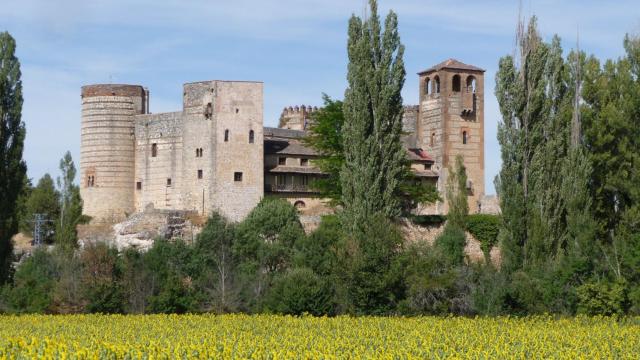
[(216, 155)]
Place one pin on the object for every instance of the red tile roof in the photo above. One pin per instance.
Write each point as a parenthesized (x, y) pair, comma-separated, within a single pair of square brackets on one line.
[(419, 155), (451, 64)]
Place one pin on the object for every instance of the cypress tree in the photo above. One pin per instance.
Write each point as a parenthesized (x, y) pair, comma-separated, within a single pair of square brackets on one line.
[(12, 132), (457, 194), (374, 157), (70, 205)]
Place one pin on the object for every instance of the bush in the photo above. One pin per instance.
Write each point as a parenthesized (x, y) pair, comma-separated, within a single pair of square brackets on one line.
[(170, 273), (428, 220), (427, 281), (602, 298), (33, 285), (373, 277), (318, 250), (484, 228), (100, 279), (300, 291), (451, 244)]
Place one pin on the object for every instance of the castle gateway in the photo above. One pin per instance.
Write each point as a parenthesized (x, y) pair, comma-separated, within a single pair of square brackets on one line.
[(216, 155)]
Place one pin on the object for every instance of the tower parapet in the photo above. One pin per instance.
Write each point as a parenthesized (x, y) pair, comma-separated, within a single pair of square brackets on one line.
[(107, 148), (296, 117)]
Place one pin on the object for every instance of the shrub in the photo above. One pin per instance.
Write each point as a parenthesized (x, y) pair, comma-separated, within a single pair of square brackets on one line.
[(602, 298), (451, 243), (318, 250), (484, 228), (34, 282), (428, 220), (300, 291)]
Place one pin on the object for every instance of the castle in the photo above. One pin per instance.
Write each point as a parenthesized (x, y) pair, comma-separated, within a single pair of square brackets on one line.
[(216, 155)]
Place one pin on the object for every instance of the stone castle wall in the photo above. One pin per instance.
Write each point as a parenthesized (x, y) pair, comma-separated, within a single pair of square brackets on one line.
[(184, 160), (164, 131), (107, 149)]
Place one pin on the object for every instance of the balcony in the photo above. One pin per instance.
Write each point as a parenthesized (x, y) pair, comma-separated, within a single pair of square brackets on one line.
[(288, 188)]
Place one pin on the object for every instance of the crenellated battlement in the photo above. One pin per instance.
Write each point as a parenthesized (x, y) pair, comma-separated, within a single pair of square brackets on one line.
[(291, 110), (296, 117)]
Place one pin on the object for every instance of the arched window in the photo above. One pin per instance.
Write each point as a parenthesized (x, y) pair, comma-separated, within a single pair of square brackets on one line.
[(471, 84), (427, 86), (154, 150), (436, 84), (208, 111), (455, 83), (464, 137), (226, 135), (433, 139), (251, 137), (300, 204)]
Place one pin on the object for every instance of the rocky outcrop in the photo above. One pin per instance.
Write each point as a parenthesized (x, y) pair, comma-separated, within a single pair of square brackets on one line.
[(140, 230)]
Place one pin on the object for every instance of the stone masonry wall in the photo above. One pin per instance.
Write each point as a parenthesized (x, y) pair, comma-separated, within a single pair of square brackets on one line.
[(152, 173), (107, 149)]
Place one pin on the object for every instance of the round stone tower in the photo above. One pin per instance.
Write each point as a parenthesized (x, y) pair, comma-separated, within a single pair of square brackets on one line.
[(107, 149)]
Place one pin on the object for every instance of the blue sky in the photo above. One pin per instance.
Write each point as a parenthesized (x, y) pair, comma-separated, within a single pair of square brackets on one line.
[(297, 48)]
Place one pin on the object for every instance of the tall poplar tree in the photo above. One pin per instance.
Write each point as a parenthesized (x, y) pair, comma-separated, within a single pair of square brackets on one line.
[(70, 205), (374, 157), (520, 90), (12, 132)]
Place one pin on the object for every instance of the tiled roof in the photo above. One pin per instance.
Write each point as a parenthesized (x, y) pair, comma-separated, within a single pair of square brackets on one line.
[(287, 147), (296, 170), (270, 132), (451, 64), (425, 173), (418, 155)]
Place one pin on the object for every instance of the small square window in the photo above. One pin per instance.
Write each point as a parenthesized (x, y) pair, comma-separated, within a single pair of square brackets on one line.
[(304, 162), (139, 185), (282, 161), (427, 166), (168, 181), (199, 174), (237, 176)]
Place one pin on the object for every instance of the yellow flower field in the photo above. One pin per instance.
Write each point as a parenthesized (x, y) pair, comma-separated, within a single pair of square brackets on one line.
[(280, 337)]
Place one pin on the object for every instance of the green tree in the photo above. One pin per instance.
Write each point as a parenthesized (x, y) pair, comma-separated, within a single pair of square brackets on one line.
[(13, 169), (169, 273), (611, 94), (33, 285), (100, 285), (44, 199), (70, 205), (21, 207), (325, 136), (521, 96), (264, 247), (300, 291), (374, 156), (216, 265), (457, 194), (370, 268)]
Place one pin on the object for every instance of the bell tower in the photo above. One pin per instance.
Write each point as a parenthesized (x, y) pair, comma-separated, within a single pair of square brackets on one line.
[(451, 123)]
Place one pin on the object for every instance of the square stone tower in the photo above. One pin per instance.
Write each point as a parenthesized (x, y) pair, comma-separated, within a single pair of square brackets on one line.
[(451, 123), (222, 121)]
